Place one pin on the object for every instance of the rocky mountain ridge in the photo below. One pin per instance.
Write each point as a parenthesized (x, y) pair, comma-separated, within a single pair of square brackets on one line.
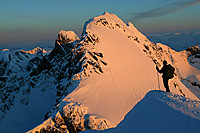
[(74, 63)]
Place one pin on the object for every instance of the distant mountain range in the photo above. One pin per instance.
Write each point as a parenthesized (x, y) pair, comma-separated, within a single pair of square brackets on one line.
[(177, 40)]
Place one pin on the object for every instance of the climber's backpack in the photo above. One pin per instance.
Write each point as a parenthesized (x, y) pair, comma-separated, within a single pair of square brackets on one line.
[(170, 72)]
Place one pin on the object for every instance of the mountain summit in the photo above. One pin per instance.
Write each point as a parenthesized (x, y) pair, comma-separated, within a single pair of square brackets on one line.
[(94, 81)]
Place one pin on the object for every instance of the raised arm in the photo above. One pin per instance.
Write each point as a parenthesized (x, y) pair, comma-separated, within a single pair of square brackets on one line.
[(160, 71)]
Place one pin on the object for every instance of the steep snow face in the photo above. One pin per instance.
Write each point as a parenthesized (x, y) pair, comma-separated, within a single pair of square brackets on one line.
[(161, 112), (184, 71), (117, 70), (126, 78), (129, 75), (160, 52)]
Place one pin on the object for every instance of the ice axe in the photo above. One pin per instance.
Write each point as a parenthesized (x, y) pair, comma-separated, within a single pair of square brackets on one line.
[(158, 65)]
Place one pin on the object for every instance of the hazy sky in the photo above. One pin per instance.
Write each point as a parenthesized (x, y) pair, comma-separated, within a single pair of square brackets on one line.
[(34, 20)]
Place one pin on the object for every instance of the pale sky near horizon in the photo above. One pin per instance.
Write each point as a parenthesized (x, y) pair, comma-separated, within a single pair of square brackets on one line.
[(38, 20)]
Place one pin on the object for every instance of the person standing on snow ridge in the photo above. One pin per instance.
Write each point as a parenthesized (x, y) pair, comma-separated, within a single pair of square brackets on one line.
[(168, 73)]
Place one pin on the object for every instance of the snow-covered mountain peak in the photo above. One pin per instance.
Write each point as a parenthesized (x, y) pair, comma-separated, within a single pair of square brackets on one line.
[(4, 54), (5, 49), (109, 21), (105, 73), (37, 50), (66, 37), (96, 80)]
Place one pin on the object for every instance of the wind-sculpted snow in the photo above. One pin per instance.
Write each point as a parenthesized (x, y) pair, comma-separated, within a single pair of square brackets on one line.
[(160, 112), (71, 117)]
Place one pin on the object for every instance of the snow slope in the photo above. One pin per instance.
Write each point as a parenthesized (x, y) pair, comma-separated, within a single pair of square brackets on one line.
[(161, 112), (108, 91), (115, 95), (89, 83)]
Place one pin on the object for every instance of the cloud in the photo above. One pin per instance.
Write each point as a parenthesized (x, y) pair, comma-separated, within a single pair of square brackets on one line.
[(170, 8)]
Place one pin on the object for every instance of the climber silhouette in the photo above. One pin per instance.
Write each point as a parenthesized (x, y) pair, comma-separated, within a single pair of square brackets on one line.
[(168, 73)]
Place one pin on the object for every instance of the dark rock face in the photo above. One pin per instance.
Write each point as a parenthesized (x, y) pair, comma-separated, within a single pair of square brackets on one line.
[(70, 59), (43, 64), (12, 80), (194, 55), (194, 50), (33, 62), (3, 66), (23, 72)]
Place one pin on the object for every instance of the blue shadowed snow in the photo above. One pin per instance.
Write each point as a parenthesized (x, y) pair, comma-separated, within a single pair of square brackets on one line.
[(161, 112)]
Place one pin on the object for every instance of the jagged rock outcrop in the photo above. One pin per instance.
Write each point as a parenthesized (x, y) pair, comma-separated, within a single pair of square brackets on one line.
[(194, 55), (14, 74), (84, 58)]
